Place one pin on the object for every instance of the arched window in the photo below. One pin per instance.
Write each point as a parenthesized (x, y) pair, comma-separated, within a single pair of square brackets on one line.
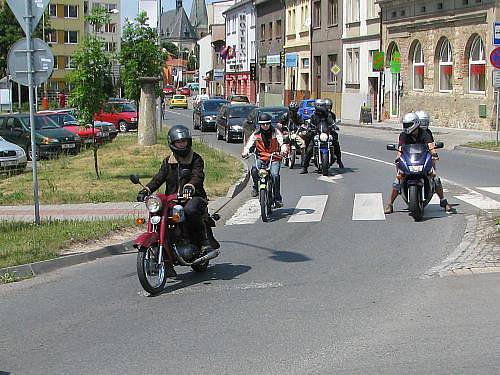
[(418, 68), (477, 67), (445, 67)]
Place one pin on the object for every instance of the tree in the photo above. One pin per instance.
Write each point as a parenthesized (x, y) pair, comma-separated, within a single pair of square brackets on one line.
[(171, 48), (91, 74), (140, 56)]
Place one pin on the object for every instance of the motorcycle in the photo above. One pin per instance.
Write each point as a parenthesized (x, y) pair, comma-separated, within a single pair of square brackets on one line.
[(167, 240), (417, 184), (324, 156), (290, 139)]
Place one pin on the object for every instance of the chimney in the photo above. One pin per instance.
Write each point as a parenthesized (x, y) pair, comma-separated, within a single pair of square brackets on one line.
[(178, 4)]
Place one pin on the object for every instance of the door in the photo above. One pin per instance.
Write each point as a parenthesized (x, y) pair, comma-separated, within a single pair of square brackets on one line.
[(373, 95), (395, 95)]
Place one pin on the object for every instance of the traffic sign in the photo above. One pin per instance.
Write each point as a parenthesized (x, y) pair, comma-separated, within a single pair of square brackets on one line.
[(19, 10), (43, 62), (496, 33), (396, 62), (496, 79), (335, 69), (495, 57), (378, 61), (174, 72)]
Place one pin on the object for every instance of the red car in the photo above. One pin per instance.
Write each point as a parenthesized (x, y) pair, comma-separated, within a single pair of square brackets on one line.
[(122, 114), (169, 90), (70, 123), (185, 91)]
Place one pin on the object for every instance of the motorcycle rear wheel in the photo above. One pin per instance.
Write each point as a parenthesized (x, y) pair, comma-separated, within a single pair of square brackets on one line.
[(325, 164), (202, 267), (415, 204), (291, 158), (152, 275), (263, 204)]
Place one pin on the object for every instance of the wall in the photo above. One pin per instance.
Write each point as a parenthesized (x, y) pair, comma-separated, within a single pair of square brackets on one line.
[(205, 65)]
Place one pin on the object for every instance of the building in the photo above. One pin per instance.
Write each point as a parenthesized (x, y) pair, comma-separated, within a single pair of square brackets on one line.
[(360, 40), (270, 39), (240, 37), (176, 28), (199, 17), (327, 29), (436, 60), (297, 50)]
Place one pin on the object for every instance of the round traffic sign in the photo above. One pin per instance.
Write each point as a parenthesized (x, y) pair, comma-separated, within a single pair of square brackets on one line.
[(43, 62), (495, 57)]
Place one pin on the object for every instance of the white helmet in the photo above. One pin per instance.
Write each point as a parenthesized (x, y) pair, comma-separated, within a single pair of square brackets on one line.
[(410, 122), (424, 119)]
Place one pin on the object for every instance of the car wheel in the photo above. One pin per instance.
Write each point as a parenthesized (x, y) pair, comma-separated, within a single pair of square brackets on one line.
[(29, 154), (122, 125)]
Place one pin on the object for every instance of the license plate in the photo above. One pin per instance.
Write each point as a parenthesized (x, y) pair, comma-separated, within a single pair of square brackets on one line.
[(68, 145), (105, 134), (8, 163)]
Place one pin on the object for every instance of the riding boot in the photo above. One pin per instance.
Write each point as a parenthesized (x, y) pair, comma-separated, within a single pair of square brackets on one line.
[(206, 244)]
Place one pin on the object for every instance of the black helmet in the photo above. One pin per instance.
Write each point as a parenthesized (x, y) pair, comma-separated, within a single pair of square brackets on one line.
[(177, 133), (293, 107)]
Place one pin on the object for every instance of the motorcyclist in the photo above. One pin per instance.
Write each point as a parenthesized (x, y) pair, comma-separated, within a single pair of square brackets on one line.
[(189, 185), (332, 118), (412, 134), (266, 140), (295, 123)]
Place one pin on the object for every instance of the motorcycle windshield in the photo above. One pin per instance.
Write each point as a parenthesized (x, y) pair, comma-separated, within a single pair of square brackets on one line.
[(415, 153)]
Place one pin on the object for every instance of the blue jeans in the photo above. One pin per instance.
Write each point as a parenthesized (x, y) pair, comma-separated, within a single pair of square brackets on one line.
[(275, 175)]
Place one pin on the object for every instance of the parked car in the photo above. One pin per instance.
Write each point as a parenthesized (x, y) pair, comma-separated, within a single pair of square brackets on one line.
[(178, 101), (230, 121), (168, 90), (184, 91), (238, 99), (205, 115), (249, 125), (306, 108), (12, 157), (122, 114), (193, 86), (200, 97), (69, 122), (51, 140), (105, 127)]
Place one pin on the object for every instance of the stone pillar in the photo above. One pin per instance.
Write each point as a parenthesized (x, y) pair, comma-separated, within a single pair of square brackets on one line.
[(146, 129)]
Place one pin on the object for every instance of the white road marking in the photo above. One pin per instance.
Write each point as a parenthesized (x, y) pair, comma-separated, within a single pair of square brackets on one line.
[(494, 190), (368, 206), (479, 200), (331, 179), (435, 199), (368, 158), (249, 213), (309, 209)]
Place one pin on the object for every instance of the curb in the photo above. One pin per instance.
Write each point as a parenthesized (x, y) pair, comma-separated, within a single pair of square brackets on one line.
[(473, 150), (372, 126)]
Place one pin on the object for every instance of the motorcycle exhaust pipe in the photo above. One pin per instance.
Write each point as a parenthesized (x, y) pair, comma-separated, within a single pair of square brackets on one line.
[(211, 255)]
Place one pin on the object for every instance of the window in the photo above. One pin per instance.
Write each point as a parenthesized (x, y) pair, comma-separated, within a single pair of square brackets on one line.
[(69, 63), (53, 10), (262, 32), (278, 74), (71, 37), (56, 62), (303, 17), (270, 71), (110, 46), (353, 66), (270, 30), (110, 7), (403, 13), (52, 37), (317, 14), (110, 28), (418, 68), (332, 60), (333, 12), (278, 29), (372, 9), (439, 6), (305, 63), (445, 67), (317, 65), (370, 60), (352, 10), (71, 11), (422, 9), (477, 67)]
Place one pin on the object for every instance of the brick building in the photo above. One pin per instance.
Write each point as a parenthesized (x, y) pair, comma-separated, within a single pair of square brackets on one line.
[(443, 47)]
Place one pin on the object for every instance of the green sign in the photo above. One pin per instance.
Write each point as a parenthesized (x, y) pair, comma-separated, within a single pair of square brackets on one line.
[(396, 62), (378, 61)]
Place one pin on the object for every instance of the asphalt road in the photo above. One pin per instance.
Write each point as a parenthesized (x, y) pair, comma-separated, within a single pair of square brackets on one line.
[(328, 295)]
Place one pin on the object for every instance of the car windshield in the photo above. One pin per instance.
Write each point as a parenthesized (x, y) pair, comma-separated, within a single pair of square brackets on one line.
[(240, 112), (62, 118), (178, 97), (239, 99), (125, 107), (210, 106), (41, 122), (276, 114)]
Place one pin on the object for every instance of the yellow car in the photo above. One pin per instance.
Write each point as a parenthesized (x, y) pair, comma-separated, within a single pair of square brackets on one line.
[(178, 101)]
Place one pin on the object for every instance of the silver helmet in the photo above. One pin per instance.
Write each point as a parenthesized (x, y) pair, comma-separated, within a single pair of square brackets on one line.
[(410, 122), (424, 119), (329, 104)]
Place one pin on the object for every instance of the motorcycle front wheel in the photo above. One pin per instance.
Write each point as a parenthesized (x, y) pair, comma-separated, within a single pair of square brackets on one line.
[(325, 163), (151, 275), (263, 204), (415, 203)]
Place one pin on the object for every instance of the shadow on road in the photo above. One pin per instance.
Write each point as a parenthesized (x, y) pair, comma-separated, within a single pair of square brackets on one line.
[(283, 213), (278, 255), (4, 373)]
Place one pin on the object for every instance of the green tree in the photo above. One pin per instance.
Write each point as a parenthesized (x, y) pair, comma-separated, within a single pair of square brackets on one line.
[(91, 75), (140, 56), (171, 48)]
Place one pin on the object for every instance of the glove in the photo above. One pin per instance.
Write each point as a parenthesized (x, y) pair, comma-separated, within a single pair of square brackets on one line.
[(142, 195), (187, 192)]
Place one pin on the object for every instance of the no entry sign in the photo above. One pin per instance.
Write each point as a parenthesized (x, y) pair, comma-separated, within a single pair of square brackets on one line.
[(495, 57)]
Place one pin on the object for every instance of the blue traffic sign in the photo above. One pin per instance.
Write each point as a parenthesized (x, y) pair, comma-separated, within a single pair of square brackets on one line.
[(496, 33), (495, 57), (174, 72)]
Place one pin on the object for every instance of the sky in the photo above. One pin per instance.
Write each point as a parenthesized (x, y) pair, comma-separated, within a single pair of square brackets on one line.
[(129, 7)]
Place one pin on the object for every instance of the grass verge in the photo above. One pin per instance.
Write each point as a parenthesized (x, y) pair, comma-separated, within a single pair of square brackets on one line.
[(490, 145), (71, 179), (22, 243)]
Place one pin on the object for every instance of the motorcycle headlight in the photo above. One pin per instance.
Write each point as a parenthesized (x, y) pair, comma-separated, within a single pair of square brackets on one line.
[(416, 168), (323, 137), (262, 173), (155, 220), (153, 204)]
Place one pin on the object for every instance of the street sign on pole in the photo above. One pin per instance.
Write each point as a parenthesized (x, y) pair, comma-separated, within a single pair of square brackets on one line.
[(43, 62), (496, 33), (495, 57), (335, 69), (37, 9)]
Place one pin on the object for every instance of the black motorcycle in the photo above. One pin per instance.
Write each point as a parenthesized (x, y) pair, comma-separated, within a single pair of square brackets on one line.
[(324, 156)]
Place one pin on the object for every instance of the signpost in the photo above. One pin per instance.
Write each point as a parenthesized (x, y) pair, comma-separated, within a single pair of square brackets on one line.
[(496, 85), (496, 33), (28, 16), (335, 69), (495, 57)]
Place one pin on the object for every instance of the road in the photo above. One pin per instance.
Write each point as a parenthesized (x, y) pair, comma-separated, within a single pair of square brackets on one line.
[(315, 291)]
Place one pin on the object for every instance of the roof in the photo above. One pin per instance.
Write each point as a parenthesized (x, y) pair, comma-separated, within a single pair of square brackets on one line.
[(198, 16), (175, 25), (237, 5)]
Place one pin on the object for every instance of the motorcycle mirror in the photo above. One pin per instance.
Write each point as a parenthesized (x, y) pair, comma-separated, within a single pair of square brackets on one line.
[(135, 179), (392, 147), (439, 145)]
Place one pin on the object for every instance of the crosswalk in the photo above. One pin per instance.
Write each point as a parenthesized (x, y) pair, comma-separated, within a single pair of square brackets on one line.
[(366, 206)]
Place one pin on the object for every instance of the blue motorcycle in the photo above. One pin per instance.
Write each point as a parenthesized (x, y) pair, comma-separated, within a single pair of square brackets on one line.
[(417, 184)]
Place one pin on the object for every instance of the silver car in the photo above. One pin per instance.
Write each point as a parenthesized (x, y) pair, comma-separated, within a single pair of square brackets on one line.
[(12, 157)]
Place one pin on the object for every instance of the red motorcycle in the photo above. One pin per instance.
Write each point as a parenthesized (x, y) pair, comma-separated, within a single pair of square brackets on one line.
[(167, 241)]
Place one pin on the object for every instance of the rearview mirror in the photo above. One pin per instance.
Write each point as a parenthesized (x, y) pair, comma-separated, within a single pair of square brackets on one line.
[(438, 145), (135, 179), (392, 147)]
